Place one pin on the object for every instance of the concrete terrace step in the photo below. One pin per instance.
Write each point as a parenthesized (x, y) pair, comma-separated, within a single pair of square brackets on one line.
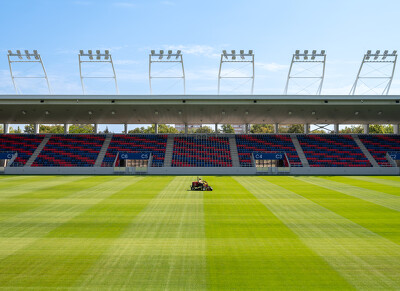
[(299, 150), (36, 153), (364, 150), (168, 151), (234, 151), (103, 150)]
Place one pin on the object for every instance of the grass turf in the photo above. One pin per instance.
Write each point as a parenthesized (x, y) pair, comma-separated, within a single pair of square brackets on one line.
[(150, 233)]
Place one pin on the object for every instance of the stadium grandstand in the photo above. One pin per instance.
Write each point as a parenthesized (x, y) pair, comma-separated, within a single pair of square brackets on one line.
[(274, 153)]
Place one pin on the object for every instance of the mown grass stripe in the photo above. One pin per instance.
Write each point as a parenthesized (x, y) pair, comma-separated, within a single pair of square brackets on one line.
[(370, 183), (163, 248), (365, 259), (24, 228), (56, 261), (33, 198), (381, 220), (16, 188), (249, 248), (345, 186)]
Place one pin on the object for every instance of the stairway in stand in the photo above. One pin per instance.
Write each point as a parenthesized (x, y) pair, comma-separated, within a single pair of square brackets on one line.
[(37, 151), (234, 152), (299, 150), (364, 150), (168, 151), (103, 150)]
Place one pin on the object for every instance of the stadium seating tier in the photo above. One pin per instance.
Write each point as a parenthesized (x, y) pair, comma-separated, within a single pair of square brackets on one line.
[(156, 144), (247, 144), (378, 145), (328, 150)]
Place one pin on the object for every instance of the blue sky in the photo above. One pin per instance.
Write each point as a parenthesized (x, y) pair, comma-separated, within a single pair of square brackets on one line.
[(201, 29)]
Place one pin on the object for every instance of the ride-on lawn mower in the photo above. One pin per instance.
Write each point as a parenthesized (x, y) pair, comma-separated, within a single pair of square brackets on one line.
[(200, 185)]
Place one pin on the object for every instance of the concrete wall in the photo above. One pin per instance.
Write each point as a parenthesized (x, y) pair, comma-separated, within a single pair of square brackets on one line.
[(197, 171), (58, 171)]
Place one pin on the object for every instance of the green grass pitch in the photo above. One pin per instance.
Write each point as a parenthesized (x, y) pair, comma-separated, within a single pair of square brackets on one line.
[(151, 233)]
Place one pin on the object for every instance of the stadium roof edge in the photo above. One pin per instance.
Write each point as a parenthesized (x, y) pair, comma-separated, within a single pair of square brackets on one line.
[(199, 109)]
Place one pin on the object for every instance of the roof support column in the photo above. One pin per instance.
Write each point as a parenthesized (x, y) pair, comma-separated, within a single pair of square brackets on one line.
[(276, 128), (6, 128), (186, 128), (36, 128), (156, 128), (216, 128), (395, 128), (126, 128), (246, 128), (96, 128), (306, 128), (366, 128), (336, 128), (66, 128)]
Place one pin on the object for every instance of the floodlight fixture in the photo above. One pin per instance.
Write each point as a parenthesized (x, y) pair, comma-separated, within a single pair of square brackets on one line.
[(101, 57), (302, 72), (159, 58), (376, 71), (224, 53), (26, 58), (233, 58), (169, 54)]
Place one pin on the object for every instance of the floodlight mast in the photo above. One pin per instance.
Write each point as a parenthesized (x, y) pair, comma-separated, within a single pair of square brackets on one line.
[(26, 58), (306, 57), (170, 57), (232, 58), (100, 57), (378, 58)]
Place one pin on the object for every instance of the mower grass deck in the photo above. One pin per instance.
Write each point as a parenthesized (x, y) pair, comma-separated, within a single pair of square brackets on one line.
[(152, 233)]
